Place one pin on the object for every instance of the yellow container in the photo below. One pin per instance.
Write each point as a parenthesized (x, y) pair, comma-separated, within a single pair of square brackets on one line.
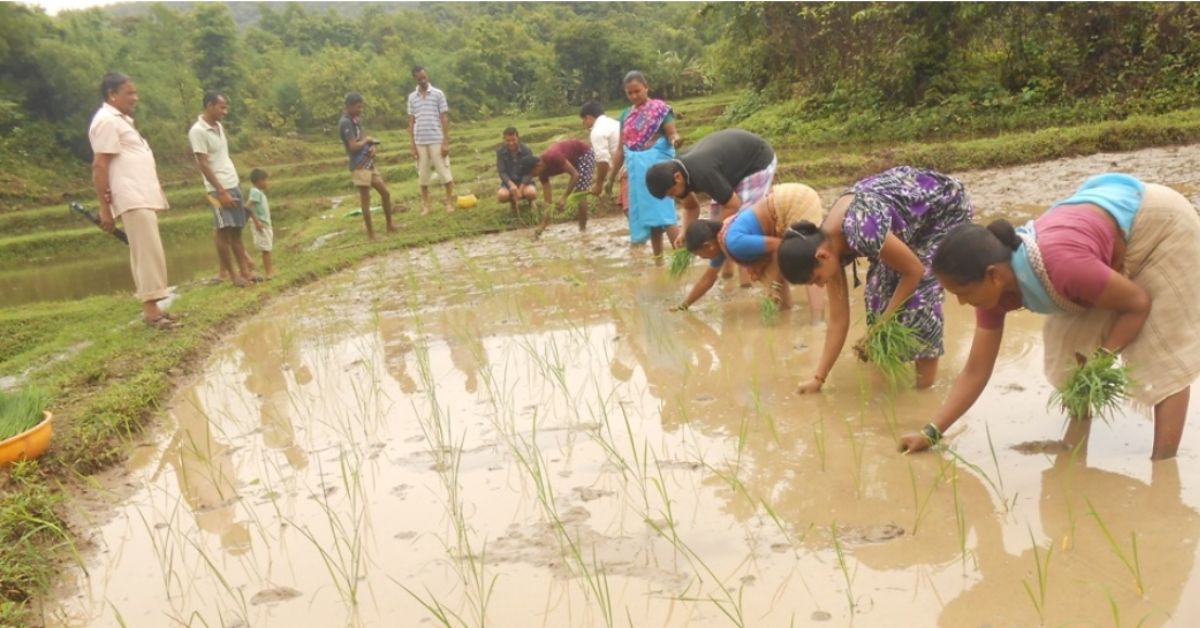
[(467, 202), (27, 445)]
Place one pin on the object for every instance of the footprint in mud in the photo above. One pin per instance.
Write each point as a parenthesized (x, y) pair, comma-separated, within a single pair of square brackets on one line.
[(686, 465), (870, 533), (1041, 447), (587, 494), (277, 594), (577, 514)]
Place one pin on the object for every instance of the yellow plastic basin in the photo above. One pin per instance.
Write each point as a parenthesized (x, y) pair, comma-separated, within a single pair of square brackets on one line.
[(467, 202), (29, 444)]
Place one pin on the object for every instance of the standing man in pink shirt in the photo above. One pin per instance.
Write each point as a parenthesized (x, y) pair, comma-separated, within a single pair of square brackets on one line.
[(125, 178)]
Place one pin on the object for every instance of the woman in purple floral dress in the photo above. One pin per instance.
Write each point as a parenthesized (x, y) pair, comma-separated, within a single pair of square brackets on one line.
[(895, 219)]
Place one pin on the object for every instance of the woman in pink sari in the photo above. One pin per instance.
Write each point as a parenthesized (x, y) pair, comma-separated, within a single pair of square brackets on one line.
[(648, 136)]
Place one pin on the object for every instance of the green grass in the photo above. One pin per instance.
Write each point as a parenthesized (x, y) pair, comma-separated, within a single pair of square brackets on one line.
[(20, 411), (1095, 387)]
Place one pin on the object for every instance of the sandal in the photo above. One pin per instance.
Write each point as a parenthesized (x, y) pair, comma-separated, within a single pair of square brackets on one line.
[(162, 322)]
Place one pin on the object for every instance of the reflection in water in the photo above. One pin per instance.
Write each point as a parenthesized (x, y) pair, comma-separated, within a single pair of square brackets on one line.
[(1080, 507), (103, 270), (268, 352), (203, 465), (571, 399)]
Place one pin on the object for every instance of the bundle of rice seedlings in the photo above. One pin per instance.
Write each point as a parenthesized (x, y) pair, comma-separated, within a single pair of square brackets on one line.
[(769, 309), (681, 260), (574, 200), (20, 411), (891, 345), (1095, 387)]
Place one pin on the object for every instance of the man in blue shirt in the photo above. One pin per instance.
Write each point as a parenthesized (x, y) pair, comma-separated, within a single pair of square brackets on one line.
[(360, 148), (516, 183)]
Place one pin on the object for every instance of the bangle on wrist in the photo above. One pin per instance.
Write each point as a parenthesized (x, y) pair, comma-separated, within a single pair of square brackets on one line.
[(931, 433)]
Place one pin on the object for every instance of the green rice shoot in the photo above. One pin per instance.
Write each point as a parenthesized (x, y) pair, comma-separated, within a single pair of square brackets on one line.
[(1095, 387), (574, 200), (769, 309), (890, 345), (20, 411), (681, 260)]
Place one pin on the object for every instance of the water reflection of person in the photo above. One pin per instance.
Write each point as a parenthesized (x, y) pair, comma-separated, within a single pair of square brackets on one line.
[(264, 357), (396, 346), (1166, 530), (462, 335), (203, 466)]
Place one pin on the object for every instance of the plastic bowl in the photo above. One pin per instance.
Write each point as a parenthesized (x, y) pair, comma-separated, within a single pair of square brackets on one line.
[(27, 445)]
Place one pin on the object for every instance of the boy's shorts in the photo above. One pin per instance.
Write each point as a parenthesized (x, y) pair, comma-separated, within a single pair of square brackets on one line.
[(263, 240), (228, 218), (365, 177)]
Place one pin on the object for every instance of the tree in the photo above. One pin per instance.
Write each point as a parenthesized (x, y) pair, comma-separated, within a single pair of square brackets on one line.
[(217, 49)]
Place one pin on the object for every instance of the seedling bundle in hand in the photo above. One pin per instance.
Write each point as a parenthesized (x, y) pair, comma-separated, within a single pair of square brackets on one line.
[(681, 260), (20, 411), (1095, 387), (891, 345)]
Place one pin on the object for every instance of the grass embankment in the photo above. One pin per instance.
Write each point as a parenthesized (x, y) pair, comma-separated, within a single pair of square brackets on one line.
[(108, 375)]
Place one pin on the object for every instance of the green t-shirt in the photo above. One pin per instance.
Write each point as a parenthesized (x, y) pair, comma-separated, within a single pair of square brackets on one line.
[(260, 205)]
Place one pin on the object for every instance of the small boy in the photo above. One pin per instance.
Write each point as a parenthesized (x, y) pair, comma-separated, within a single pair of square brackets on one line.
[(260, 214)]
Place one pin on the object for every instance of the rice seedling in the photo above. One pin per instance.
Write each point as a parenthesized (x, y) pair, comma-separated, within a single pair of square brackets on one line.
[(841, 557), (1095, 387), (1131, 561), (995, 460), (920, 505), (960, 520), (1004, 502), (681, 260), (21, 410), (769, 310), (344, 558), (530, 459), (890, 345), (1042, 570)]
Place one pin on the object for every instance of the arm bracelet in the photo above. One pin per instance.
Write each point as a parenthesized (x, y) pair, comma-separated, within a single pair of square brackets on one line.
[(931, 433)]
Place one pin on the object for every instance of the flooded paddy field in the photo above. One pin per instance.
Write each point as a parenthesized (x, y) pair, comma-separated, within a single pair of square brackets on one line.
[(509, 432)]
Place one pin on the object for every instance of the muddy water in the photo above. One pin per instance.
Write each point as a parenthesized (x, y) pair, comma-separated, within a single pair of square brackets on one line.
[(100, 271), (520, 434)]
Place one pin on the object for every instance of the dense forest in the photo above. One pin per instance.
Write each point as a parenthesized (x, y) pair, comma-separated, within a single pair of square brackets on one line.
[(286, 66)]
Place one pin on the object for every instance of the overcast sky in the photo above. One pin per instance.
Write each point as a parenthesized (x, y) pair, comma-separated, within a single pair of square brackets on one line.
[(54, 6)]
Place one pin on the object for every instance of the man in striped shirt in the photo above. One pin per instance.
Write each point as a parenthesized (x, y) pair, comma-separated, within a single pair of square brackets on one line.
[(429, 127)]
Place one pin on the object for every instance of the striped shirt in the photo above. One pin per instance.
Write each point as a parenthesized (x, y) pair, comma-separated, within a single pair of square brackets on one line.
[(427, 111)]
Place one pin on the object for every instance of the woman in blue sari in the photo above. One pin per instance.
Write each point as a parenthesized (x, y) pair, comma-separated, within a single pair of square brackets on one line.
[(648, 136)]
